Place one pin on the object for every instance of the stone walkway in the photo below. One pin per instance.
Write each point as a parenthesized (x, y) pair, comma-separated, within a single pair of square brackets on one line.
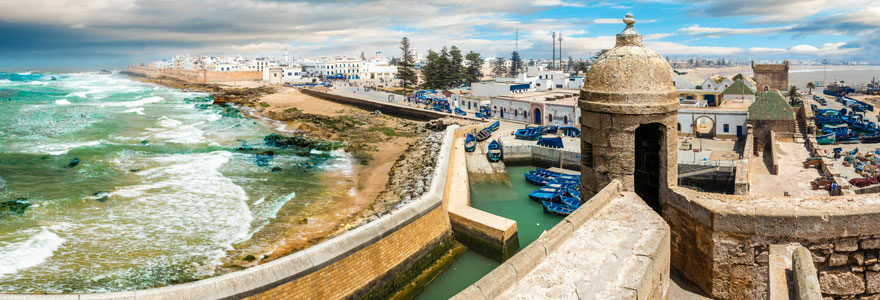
[(792, 178)]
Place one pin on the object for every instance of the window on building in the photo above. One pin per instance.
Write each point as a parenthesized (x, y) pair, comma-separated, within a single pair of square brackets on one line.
[(550, 118), (516, 113), (565, 120), (726, 127)]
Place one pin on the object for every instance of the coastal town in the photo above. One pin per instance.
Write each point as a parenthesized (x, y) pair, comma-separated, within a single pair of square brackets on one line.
[(541, 166)]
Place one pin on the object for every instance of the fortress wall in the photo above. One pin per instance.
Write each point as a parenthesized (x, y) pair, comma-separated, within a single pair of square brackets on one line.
[(741, 177), (373, 260), (198, 76), (774, 154), (385, 108), (721, 242), (230, 76), (542, 156)]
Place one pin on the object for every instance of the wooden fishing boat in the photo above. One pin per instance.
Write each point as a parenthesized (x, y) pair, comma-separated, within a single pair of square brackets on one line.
[(550, 129), (556, 208), (870, 139), (530, 133), (460, 112), (494, 152), (848, 139), (570, 131), (470, 143), (540, 195), (494, 126), (827, 139), (483, 135)]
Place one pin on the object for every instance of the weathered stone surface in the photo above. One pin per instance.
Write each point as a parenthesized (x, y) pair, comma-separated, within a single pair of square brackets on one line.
[(837, 259), (870, 244), (857, 258), (841, 283), (873, 282), (870, 297), (762, 257), (874, 267), (821, 246), (818, 257), (846, 245), (870, 257)]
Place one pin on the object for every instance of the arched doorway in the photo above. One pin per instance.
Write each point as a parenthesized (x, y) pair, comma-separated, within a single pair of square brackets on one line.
[(649, 138), (537, 114), (704, 127), (766, 88)]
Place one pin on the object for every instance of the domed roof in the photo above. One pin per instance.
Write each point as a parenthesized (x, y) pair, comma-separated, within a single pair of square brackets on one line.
[(629, 78)]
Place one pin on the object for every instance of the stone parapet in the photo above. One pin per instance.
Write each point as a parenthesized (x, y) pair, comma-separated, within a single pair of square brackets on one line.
[(806, 281), (384, 107), (373, 258), (721, 242), (613, 247)]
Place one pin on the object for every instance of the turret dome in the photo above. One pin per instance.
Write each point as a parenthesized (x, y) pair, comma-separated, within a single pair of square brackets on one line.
[(629, 78)]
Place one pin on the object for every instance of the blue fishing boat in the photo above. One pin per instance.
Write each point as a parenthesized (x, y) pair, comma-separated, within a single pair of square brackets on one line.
[(574, 193), (534, 179), (470, 143), (870, 139), (570, 131), (540, 195), (460, 112), (570, 202), (548, 172), (827, 139), (848, 139), (556, 208), (530, 133), (554, 142), (550, 129), (494, 152), (494, 126)]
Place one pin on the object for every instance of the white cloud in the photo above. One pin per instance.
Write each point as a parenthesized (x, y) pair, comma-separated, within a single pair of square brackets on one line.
[(656, 36), (556, 3), (716, 32), (681, 49), (826, 49)]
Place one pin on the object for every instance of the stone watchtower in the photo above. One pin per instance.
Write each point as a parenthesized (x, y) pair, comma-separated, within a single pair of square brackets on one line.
[(771, 77), (629, 108)]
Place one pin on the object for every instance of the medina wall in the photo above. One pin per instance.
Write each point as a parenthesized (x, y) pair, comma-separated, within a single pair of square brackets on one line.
[(197, 76), (371, 261), (721, 242)]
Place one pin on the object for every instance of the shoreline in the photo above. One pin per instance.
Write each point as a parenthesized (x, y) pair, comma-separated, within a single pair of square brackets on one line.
[(380, 150)]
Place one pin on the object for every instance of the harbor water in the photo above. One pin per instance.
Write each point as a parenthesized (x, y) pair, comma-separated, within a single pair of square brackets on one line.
[(509, 201), (108, 184)]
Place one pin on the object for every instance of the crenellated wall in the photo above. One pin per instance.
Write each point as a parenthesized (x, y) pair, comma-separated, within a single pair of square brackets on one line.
[(721, 242)]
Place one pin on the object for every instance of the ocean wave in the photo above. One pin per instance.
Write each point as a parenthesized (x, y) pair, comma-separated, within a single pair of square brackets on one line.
[(25, 73), (137, 110), (62, 102), (59, 149), (20, 255), (135, 103), (175, 131)]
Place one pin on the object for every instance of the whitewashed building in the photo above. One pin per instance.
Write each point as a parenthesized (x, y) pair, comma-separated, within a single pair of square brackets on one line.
[(557, 107)]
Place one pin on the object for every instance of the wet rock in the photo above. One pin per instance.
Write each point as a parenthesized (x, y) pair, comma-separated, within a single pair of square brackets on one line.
[(101, 196), (144, 142), (249, 258), (284, 142), (73, 163), (303, 221), (276, 169), (17, 206), (134, 170)]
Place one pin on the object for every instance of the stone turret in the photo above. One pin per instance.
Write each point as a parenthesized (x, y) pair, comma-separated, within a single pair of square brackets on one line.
[(628, 107)]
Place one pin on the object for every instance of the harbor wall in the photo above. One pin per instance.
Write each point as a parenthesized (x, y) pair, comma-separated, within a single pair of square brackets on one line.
[(721, 242), (371, 261), (384, 107), (197, 76), (645, 275), (486, 233), (542, 156)]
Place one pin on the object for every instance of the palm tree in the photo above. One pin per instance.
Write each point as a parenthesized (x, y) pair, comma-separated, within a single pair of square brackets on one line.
[(794, 95), (811, 86)]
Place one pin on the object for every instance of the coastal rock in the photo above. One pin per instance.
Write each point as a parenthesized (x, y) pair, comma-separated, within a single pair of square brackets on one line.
[(73, 163)]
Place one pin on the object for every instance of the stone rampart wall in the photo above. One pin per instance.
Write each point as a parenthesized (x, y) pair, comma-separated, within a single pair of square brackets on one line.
[(761, 132), (542, 156), (741, 177), (773, 155), (197, 76), (721, 242), (385, 108), (372, 260)]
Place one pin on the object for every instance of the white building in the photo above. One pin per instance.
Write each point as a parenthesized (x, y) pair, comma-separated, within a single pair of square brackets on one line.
[(557, 107), (491, 89)]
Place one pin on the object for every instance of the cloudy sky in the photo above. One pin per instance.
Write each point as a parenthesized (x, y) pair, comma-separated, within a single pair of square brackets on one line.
[(84, 34)]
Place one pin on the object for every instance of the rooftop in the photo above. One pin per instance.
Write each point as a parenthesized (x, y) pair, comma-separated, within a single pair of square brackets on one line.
[(771, 106), (556, 96)]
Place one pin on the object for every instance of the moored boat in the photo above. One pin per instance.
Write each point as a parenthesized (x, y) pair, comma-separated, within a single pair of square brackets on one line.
[(470, 143), (554, 142), (556, 208), (483, 135), (570, 131), (827, 139), (494, 126), (530, 133), (494, 152)]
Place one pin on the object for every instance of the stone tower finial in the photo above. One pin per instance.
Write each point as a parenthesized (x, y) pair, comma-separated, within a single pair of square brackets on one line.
[(629, 36)]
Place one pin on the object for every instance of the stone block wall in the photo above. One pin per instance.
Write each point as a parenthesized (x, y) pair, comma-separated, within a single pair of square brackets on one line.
[(231, 76), (774, 77), (773, 154), (721, 242), (542, 156), (385, 108), (198, 76)]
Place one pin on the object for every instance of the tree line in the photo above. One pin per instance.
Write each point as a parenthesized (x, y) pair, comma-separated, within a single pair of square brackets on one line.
[(445, 69)]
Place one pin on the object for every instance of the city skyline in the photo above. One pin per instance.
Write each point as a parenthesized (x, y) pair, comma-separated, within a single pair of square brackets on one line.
[(70, 35)]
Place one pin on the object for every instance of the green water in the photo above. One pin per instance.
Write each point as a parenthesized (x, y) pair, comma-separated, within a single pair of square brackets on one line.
[(509, 201), (127, 185)]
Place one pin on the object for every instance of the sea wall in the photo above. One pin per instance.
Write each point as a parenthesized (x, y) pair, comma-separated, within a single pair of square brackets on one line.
[(542, 156), (633, 263), (370, 261), (721, 242), (384, 107), (486, 233), (197, 76)]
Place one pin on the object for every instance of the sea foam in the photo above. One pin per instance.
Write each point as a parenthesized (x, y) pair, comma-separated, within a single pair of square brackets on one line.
[(62, 102), (33, 251)]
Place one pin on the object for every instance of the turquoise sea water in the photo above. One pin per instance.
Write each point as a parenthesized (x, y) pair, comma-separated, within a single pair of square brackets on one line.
[(108, 184), (509, 201)]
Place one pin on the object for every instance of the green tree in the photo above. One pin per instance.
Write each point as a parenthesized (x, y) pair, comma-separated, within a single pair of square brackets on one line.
[(473, 72), (515, 64), (433, 70), (596, 56), (405, 70), (583, 67), (456, 66), (738, 77), (811, 86), (498, 67), (447, 74)]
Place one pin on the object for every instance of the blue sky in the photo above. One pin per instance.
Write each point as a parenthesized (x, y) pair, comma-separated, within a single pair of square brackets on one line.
[(70, 34)]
